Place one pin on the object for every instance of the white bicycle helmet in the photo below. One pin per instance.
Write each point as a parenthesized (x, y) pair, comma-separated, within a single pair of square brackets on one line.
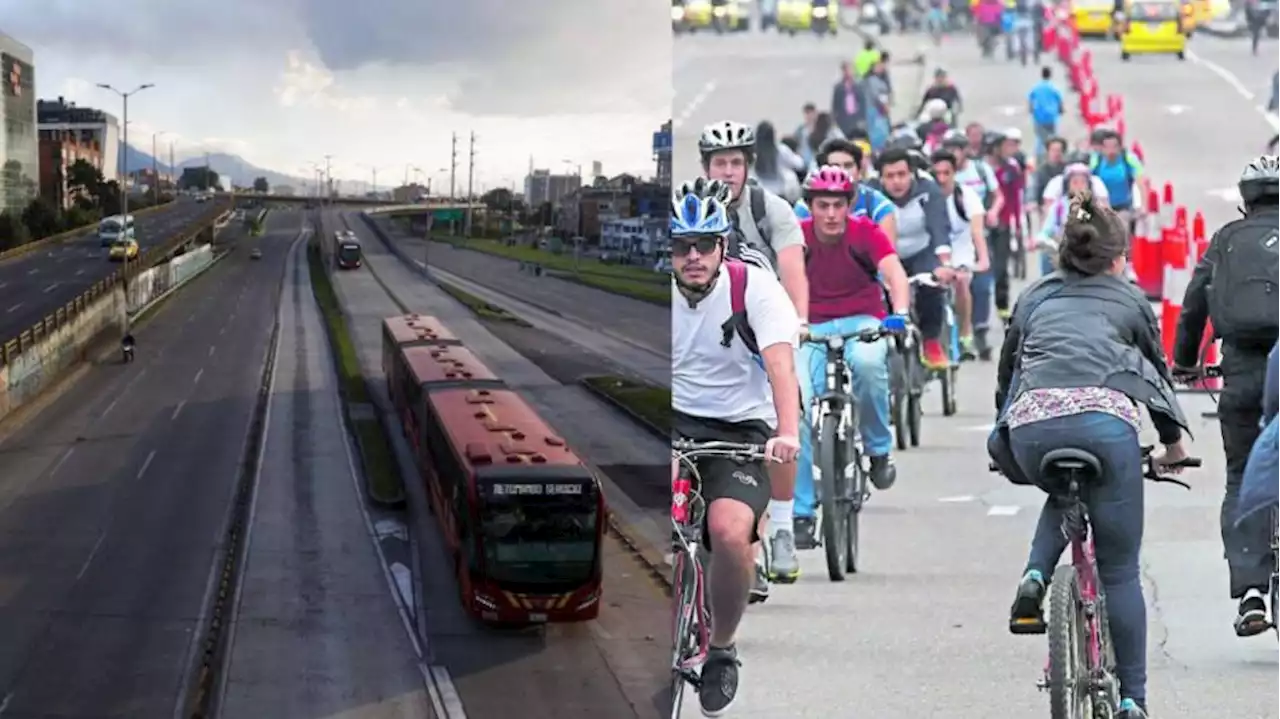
[(935, 109), (1014, 134), (1260, 178), (726, 135), (704, 187)]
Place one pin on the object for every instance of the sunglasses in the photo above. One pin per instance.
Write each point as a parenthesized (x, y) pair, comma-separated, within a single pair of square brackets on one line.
[(704, 245)]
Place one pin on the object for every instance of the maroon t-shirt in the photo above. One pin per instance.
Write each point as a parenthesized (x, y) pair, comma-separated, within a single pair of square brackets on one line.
[(839, 285)]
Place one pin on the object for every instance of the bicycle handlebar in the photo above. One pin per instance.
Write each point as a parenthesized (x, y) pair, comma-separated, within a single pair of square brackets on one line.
[(1150, 470), (864, 335), (1195, 374), (688, 448), (924, 278)]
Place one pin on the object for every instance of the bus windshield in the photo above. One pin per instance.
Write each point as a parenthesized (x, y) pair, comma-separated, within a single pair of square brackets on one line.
[(540, 542), (111, 227), (348, 252)]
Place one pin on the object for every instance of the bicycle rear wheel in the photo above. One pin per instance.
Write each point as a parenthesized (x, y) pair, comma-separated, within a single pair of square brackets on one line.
[(835, 511), (1068, 669), (684, 642), (898, 398)]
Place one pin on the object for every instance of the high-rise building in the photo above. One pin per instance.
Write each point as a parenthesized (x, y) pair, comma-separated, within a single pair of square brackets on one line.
[(19, 145), (597, 169), (90, 125), (59, 150), (662, 153), (541, 186)]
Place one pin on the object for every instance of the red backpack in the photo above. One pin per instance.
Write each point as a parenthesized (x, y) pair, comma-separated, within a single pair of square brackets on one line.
[(737, 324)]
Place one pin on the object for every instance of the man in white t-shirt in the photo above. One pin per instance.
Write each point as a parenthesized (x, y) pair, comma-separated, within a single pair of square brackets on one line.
[(968, 241), (720, 392), (767, 234), (1053, 190)]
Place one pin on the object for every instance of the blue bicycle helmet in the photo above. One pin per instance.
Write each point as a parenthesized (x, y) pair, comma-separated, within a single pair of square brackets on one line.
[(693, 215)]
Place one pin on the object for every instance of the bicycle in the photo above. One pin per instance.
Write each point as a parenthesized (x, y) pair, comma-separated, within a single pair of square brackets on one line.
[(1080, 686), (691, 639), (839, 477), (908, 377)]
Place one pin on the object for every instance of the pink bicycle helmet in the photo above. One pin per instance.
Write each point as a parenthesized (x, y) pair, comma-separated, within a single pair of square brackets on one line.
[(829, 180)]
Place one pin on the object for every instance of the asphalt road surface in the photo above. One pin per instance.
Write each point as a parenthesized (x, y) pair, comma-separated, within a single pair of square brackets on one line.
[(921, 630), (612, 667), (315, 630), (33, 285), (113, 501)]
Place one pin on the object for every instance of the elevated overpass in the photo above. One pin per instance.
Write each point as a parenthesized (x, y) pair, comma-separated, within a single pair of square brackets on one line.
[(436, 205)]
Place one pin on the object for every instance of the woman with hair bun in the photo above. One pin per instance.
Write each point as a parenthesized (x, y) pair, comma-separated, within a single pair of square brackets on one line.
[(1081, 356)]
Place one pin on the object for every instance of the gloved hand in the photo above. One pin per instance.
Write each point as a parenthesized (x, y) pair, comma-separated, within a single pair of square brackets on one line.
[(896, 324)]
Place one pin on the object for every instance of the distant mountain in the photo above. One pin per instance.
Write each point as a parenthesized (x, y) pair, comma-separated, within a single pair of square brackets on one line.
[(241, 172)]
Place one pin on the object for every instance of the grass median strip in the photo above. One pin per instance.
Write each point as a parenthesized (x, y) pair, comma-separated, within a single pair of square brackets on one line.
[(380, 470), (649, 403), (482, 309), (557, 262)]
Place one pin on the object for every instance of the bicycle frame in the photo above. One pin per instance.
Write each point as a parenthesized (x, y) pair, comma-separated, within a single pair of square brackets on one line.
[(688, 511), (1076, 526)]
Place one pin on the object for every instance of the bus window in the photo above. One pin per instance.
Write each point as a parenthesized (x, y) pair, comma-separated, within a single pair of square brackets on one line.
[(348, 255), (540, 542), (114, 228)]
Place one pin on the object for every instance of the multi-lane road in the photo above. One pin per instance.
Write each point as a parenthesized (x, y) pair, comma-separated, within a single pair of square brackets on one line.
[(35, 284), (920, 631)]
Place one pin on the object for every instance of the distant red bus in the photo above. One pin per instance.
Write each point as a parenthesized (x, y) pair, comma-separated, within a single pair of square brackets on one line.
[(348, 256), (522, 516)]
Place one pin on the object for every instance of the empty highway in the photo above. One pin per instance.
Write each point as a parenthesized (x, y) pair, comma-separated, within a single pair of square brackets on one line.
[(34, 285)]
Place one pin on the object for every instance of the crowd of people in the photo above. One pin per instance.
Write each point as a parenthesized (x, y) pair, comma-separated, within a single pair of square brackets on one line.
[(831, 221)]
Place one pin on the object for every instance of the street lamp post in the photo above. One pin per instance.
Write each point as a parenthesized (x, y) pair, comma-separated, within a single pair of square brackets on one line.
[(124, 188), (155, 168)]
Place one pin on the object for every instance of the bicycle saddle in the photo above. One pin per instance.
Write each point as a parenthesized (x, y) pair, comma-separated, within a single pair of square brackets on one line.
[(1059, 463)]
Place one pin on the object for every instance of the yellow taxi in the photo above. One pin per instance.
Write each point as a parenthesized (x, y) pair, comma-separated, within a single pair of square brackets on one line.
[(689, 15), (817, 16), (121, 251), (1094, 18), (1153, 27)]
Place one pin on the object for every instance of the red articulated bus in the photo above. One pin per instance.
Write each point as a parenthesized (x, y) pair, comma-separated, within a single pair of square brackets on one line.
[(522, 516)]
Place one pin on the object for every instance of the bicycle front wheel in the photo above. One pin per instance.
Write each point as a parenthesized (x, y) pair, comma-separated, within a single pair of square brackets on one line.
[(684, 640), (835, 518), (1068, 643)]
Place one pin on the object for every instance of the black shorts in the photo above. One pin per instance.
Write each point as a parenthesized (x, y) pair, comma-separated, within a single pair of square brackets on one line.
[(723, 478)]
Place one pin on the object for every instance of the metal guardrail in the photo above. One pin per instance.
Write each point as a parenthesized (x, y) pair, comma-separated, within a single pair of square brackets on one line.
[(151, 257), (69, 234)]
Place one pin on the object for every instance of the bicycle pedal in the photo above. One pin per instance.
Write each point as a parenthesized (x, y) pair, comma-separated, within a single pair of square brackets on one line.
[(1027, 625)]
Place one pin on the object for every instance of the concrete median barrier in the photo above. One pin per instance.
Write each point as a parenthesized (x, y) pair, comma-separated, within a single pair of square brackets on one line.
[(45, 361)]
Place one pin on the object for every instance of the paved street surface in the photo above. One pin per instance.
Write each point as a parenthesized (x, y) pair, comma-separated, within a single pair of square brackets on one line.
[(921, 630), (612, 667), (315, 630), (35, 284), (643, 323), (113, 502)]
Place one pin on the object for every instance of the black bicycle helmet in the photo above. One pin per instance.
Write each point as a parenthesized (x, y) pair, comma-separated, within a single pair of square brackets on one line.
[(955, 140), (905, 138), (1260, 179), (991, 139), (1077, 157)]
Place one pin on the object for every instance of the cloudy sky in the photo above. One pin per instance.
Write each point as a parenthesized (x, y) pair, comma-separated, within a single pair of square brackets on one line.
[(374, 83)]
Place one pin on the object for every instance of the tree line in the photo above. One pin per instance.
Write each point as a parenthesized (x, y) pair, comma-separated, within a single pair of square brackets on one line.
[(93, 197)]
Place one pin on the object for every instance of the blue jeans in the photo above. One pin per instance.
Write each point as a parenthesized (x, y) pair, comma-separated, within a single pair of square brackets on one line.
[(1043, 134), (869, 365), (1116, 514)]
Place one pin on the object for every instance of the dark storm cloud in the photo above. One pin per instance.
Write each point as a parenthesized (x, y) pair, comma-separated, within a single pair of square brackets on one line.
[(517, 58)]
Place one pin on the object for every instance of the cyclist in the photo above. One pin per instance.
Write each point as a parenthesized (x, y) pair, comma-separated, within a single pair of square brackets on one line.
[(1018, 41), (1081, 354), (968, 241), (848, 256), (1007, 229), (1055, 188), (975, 174), (1241, 260), (1077, 178), (867, 202), (1046, 106), (721, 393), (934, 123), (924, 236), (766, 233), (945, 90), (1120, 170), (1049, 166)]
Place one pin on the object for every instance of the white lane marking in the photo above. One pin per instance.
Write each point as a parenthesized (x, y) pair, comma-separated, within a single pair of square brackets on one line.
[(3, 285), (110, 407), (178, 410), (92, 553), (61, 461), (1176, 109), (1003, 510), (79, 272), (32, 272), (957, 500), (1235, 82), (222, 330), (146, 463), (697, 100), (51, 287), (5, 704), (978, 428), (404, 585), (1227, 194), (14, 307), (1009, 110), (212, 349), (198, 375)]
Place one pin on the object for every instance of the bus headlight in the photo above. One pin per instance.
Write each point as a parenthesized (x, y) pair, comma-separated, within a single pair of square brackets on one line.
[(677, 14), (819, 13)]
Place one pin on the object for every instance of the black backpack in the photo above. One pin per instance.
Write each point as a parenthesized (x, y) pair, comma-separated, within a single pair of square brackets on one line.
[(1242, 294)]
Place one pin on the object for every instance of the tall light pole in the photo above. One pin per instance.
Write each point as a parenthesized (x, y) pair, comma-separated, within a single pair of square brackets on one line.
[(124, 189), (328, 177)]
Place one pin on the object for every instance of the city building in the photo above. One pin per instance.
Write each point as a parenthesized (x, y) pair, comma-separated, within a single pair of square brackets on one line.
[(283, 190), (634, 236), (59, 150), (585, 212), (597, 168), (662, 154), (410, 193), (92, 125), (19, 145), (541, 186)]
